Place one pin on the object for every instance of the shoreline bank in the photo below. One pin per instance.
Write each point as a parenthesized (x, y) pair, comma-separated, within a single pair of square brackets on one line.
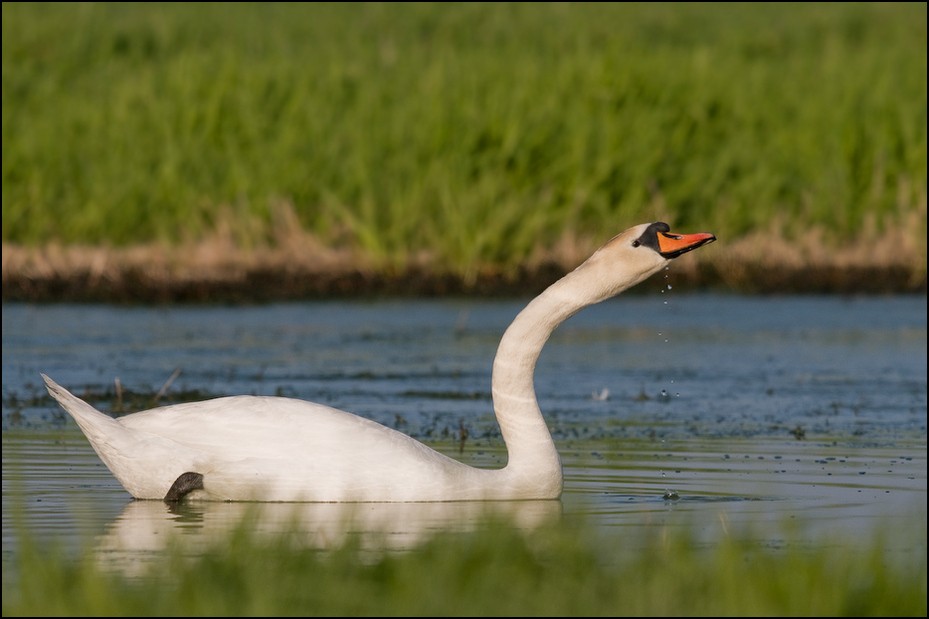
[(218, 273)]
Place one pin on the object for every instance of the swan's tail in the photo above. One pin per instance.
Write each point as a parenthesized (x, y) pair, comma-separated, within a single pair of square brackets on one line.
[(92, 422), (132, 456)]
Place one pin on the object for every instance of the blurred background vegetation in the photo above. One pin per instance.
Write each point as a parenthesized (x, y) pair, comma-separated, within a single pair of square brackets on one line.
[(470, 133)]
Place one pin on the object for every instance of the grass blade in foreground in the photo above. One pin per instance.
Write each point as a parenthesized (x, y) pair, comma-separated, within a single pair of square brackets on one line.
[(495, 571)]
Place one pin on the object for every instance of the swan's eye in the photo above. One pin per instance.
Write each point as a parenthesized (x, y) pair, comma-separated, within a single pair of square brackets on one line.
[(636, 243)]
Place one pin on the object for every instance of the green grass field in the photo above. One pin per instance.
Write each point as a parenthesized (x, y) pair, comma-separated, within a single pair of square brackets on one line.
[(470, 133), (557, 571)]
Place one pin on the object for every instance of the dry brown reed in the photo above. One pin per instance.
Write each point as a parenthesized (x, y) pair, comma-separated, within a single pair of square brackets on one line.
[(286, 262)]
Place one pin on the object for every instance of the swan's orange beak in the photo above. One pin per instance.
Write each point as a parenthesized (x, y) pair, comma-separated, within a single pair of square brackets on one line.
[(673, 245)]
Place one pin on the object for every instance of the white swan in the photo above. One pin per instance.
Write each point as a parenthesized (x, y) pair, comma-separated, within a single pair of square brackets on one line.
[(253, 448)]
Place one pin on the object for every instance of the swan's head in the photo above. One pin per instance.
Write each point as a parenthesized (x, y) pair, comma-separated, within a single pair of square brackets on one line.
[(632, 256)]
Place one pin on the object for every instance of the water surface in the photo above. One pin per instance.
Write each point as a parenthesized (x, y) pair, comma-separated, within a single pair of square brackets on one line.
[(785, 418)]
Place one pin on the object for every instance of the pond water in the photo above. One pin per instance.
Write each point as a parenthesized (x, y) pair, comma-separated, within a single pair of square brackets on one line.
[(788, 419)]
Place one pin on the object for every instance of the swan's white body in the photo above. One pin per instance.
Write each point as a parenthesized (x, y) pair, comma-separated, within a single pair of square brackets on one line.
[(256, 448)]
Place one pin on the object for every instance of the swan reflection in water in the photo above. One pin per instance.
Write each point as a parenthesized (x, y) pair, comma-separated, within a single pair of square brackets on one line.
[(145, 529)]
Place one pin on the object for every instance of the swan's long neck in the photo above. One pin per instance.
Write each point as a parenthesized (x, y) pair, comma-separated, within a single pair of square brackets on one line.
[(531, 451), (533, 459)]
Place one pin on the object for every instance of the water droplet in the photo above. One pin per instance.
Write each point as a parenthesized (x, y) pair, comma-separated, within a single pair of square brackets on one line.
[(669, 286), (664, 393)]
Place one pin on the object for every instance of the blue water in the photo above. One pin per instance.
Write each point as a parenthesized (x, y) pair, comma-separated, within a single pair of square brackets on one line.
[(749, 410), (729, 366)]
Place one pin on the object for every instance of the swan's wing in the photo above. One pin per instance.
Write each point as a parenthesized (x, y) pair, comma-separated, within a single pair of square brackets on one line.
[(287, 449), (267, 427)]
